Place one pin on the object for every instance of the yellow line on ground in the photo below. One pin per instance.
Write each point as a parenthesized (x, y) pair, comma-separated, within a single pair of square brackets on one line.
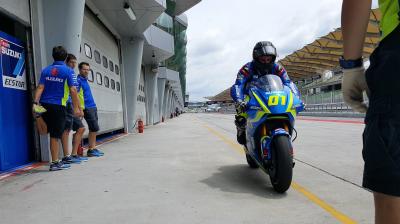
[(236, 146), (312, 197)]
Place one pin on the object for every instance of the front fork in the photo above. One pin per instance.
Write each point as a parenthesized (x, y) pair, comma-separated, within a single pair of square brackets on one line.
[(266, 139)]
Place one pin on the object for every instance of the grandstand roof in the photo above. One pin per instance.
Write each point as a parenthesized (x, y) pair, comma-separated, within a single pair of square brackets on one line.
[(323, 54), (224, 96)]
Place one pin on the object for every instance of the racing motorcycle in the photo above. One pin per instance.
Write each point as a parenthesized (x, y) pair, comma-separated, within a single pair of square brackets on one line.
[(271, 111)]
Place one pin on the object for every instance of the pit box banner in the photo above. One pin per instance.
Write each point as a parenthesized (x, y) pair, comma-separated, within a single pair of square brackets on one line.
[(12, 62)]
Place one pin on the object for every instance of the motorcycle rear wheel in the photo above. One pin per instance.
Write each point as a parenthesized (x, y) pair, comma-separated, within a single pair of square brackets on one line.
[(281, 169)]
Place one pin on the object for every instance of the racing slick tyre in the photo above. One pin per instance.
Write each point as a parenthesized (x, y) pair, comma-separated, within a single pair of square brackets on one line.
[(281, 170)]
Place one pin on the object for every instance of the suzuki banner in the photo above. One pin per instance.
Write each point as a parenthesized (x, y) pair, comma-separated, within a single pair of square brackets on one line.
[(15, 104), (12, 62)]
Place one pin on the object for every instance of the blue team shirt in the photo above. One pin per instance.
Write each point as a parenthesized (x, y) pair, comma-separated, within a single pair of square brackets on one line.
[(85, 94), (57, 79)]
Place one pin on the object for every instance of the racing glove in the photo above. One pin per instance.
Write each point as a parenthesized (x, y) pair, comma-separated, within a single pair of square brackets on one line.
[(353, 86), (241, 107)]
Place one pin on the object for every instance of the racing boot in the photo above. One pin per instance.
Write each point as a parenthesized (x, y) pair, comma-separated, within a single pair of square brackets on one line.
[(240, 123)]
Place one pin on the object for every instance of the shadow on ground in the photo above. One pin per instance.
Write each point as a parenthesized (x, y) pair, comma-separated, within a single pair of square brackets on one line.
[(241, 179)]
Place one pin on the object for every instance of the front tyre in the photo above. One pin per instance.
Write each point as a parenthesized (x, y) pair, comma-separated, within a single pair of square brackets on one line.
[(281, 170)]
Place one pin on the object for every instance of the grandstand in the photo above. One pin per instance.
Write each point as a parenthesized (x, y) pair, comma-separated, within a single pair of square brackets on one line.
[(223, 97)]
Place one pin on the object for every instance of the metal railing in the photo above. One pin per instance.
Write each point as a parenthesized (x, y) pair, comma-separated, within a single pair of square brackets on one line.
[(324, 98), (338, 109), (165, 22), (331, 109)]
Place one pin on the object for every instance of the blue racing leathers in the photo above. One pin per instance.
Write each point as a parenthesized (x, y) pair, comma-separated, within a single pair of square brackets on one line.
[(248, 73)]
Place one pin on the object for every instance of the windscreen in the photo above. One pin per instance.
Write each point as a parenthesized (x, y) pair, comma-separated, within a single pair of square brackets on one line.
[(269, 83)]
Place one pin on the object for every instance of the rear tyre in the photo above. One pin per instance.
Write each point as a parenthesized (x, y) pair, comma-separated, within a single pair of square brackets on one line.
[(251, 162), (281, 170)]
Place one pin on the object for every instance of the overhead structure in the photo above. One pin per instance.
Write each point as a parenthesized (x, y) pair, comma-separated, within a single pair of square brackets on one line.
[(184, 5), (223, 97), (323, 54), (320, 56)]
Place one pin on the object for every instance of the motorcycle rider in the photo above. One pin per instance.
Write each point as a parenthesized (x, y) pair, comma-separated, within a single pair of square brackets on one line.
[(264, 56)]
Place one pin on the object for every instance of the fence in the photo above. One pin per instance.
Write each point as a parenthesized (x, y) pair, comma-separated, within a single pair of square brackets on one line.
[(325, 97), (322, 104), (329, 104)]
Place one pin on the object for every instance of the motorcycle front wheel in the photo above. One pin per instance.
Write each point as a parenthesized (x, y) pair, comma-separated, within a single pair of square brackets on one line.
[(281, 169)]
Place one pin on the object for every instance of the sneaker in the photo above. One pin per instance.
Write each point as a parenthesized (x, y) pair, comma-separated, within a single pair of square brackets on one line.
[(82, 159), (70, 160), (59, 165), (99, 152), (93, 153)]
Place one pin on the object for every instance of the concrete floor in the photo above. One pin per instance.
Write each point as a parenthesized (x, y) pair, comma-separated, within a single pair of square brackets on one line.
[(190, 170)]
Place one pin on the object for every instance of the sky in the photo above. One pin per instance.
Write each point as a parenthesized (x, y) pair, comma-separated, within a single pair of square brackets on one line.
[(222, 34)]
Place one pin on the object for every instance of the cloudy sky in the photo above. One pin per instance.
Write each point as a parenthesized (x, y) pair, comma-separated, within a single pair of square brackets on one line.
[(222, 33)]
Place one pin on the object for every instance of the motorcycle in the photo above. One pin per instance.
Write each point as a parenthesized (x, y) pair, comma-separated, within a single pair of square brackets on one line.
[(270, 113)]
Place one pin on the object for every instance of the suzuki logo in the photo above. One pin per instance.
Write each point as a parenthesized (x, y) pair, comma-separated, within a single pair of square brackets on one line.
[(54, 71)]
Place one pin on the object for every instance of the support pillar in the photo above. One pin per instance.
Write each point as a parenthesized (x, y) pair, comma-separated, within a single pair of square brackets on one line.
[(161, 89), (173, 104), (166, 112), (48, 33), (69, 33), (165, 102), (170, 102), (150, 79), (132, 53)]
